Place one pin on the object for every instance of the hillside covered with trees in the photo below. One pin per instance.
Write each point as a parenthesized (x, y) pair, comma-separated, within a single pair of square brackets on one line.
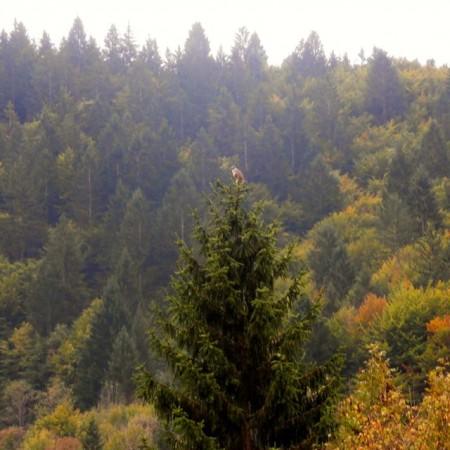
[(106, 151)]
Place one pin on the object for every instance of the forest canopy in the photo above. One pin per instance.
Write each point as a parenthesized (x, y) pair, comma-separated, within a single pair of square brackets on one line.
[(106, 151)]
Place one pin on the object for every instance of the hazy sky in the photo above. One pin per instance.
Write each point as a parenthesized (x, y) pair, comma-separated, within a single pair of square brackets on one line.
[(410, 28)]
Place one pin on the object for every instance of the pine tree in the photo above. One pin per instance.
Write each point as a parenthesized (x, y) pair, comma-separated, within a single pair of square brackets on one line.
[(330, 265), (308, 59), (135, 233), (433, 152), (112, 51), (422, 201), (385, 98), (234, 343), (60, 291), (91, 439), (93, 357), (317, 191), (397, 227), (196, 76), (122, 365)]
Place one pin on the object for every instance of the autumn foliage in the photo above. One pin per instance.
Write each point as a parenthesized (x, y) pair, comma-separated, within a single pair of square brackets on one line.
[(378, 416), (371, 307), (439, 323)]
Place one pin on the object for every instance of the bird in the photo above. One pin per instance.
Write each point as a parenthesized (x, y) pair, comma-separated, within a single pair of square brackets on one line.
[(237, 175)]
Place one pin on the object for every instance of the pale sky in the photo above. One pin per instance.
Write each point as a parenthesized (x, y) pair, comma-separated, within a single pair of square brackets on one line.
[(415, 29)]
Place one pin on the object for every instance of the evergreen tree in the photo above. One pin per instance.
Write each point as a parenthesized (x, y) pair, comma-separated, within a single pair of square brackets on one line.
[(433, 261), (331, 267), (135, 234), (308, 59), (196, 76), (385, 97), (256, 59), (121, 367), (422, 201), (433, 152), (91, 438), (59, 291), (150, 56), (317, 191), (93, 357), (443, 107), (234, 343), (128, 47), (19, 60), (45, 76), (112, 51), (397, 227)]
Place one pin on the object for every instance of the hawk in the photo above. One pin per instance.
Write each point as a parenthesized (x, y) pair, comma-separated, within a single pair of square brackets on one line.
[(237, 175)]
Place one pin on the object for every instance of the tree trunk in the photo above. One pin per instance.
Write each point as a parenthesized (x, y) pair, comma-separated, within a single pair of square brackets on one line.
[(247, 442)]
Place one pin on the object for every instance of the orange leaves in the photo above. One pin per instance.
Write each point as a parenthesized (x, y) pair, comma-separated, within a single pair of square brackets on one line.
[(67, 443), (439, 323), (371, 307)]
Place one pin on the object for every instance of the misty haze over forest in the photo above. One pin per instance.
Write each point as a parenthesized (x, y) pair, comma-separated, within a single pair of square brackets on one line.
[(105, 153)]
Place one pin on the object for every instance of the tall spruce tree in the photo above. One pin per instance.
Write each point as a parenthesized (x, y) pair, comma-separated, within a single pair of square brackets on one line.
[(91, 438), (331, 266), (385, 97), (234, 342)]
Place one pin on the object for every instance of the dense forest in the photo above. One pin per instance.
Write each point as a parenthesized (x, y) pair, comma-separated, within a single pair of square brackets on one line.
[(106, 151)]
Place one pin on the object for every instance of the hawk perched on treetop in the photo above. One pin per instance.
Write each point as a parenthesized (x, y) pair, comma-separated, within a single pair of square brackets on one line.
[(237, 175)]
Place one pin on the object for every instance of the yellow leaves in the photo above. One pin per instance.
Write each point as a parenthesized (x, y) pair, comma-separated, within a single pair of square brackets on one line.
[(396, 272), (64, 358), (124, 426), (65, 160), (63, 421), (22, 337), (378, 138), (65, 170), (47, 431), (121, 427), (184, 155), (377, 416), (39, 440)]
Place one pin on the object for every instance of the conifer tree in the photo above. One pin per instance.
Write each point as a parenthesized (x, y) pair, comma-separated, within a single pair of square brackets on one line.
[(331, 267), (433, 152), (422, 201), (234, 342), (385, 98), (91, 438), (60, 291), (122, 365)]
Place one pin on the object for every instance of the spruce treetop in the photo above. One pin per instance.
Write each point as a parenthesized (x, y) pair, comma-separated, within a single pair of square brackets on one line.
[(234, 342)]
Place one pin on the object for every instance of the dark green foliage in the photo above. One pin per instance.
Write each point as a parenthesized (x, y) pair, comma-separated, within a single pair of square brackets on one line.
[(397, 225), (196, 76), (94, 356), (121, 367), (91, 439), (412, 185), (385, 98), (422, 201), (309, 59), (59, 293), (330, 265), (433, 262), (234, 343), (433, 152), (105, 152), (317, 192)]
